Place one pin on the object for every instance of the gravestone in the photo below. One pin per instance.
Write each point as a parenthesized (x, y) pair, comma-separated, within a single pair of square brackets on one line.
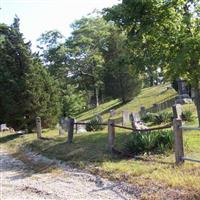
[(177, 111), (156, 107), (143, 111), (125, 117), (99, 118), (81, 128), (3, 127), (183, 92), (182, 89), (112, 112)]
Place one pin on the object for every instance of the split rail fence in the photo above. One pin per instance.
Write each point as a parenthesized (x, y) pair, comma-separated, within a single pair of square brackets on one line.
[(177, 130)]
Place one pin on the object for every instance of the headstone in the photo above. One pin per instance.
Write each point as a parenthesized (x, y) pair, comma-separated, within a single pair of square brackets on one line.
[(112, 112), (143, 111), (156, 107), (81, 128), (38, 127), (99, 118), (134, 117), (3, 127), (182, 89), (177, 111), (125, 117)]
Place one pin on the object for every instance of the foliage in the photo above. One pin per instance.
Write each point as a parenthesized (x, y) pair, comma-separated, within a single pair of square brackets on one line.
[(94, 124), (15, 60), (158, 118), (85, 52), (157, 141), (121, 80), (187, 116), (73, 101), (26, 88), (43, 96), (164, 35)]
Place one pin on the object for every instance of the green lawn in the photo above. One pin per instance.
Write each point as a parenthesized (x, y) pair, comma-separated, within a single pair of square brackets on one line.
[(147, 97)]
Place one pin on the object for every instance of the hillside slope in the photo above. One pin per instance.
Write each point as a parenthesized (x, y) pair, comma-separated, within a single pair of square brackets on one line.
[(147, 98)]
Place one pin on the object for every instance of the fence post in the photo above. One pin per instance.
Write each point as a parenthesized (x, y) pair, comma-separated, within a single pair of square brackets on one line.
[(178, 141), (111, 134), (70, 130), (38, 127)]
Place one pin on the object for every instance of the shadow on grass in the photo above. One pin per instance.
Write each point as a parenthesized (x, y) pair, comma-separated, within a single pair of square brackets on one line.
[(106, 110), (8, 138)]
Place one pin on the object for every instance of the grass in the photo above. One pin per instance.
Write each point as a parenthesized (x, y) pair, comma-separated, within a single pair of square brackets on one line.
[(89, 151), (147, 97)]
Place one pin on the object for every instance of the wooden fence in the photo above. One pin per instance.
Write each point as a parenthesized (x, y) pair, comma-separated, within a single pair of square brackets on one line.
[(158, 107), (177, 130), (179, 147)]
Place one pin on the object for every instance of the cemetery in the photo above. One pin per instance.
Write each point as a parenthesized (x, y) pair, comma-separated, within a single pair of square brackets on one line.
[(100, 100)]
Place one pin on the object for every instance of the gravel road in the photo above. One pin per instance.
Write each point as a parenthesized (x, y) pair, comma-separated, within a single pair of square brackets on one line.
[(19, 182)]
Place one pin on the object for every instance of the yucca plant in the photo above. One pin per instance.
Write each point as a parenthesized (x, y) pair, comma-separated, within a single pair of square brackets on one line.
[(156, 141)]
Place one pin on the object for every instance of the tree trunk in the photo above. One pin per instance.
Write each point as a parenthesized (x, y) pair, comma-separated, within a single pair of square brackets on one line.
[(97, 96), (197, 101)]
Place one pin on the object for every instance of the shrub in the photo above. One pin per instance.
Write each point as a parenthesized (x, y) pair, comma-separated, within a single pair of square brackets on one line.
[(158, 118), (149, 117), (187, 116), (94, 124), (157, 141)]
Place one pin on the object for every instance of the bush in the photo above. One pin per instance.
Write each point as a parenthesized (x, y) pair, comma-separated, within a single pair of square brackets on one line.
[(158, 118), (187, 116), (94, 124), (157, 141), (149, 117)]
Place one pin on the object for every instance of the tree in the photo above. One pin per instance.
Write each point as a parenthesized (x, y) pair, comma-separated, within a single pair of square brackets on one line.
[(85, 52), (25, 86), (43, 96), (174, 27), (121, 79), (15, 59), (54, 53)]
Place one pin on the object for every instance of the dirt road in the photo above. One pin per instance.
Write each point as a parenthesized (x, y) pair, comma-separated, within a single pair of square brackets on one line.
[(19, 182)]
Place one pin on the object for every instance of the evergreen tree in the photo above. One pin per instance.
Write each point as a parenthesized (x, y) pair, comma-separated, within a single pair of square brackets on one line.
[(26, 89)]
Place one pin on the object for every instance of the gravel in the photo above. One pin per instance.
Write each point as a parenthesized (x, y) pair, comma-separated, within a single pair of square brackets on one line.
[(19, 182)]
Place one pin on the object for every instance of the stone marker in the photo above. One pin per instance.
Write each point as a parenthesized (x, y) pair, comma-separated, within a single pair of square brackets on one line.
[(38, 127), (112, 113), (177, 111), (125, 117), (143, 111)]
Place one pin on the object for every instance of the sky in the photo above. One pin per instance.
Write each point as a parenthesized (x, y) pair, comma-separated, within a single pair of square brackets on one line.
[(39, 16)]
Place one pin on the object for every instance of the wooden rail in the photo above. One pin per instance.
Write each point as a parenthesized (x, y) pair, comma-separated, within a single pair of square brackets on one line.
[(144, 130), (85, 123), (190, 159), (190, 128)]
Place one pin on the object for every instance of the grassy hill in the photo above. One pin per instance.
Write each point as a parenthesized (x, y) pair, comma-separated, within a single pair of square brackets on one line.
[(147, 97)]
